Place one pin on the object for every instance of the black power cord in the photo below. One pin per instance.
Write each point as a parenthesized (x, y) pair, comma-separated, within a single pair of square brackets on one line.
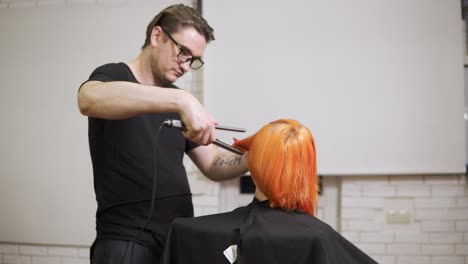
[(153, 198)]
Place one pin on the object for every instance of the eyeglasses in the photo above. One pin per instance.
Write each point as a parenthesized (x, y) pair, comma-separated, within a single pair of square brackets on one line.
[(185, 55)]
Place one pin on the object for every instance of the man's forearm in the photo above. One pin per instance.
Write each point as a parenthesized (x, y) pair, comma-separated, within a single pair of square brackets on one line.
[(120, 100), (227, 166)]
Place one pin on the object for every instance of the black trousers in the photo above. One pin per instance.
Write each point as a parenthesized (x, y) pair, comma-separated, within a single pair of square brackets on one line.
[(112, 251)]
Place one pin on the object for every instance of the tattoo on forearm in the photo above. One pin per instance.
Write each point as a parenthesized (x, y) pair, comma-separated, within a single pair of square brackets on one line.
[(227, 161)]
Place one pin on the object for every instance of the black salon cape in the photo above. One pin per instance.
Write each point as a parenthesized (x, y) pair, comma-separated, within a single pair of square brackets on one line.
[(262, 235)]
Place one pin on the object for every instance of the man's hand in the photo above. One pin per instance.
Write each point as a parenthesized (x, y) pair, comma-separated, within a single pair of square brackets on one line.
[(199, 124)]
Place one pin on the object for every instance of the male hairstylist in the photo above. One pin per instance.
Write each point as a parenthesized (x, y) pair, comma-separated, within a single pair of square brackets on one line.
[(126, 104)]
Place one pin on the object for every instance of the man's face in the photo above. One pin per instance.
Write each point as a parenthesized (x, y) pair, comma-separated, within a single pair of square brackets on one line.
[(169, 61)]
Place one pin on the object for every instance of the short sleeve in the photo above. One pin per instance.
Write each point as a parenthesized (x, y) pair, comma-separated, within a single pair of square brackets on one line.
[(189, 145), (111, 72)]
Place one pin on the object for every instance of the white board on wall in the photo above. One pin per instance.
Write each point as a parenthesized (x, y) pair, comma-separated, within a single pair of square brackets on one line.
[(379, 83), (46, 185)]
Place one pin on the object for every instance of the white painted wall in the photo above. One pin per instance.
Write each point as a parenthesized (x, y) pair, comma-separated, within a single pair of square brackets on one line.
[(48, 50), (378, 82)]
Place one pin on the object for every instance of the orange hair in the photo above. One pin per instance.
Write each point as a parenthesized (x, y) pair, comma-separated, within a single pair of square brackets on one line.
[(283, 165)]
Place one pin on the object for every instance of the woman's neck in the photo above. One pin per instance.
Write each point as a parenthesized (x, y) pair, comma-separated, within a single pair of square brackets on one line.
[(259, 195)]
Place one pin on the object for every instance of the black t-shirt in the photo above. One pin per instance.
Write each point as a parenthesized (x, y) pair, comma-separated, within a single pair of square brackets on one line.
[(127, 156)]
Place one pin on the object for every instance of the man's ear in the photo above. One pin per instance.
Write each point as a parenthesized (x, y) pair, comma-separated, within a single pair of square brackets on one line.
[(156, 35)]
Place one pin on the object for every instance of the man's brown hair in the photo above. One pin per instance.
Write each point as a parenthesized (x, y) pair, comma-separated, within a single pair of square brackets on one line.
[(172, 18)]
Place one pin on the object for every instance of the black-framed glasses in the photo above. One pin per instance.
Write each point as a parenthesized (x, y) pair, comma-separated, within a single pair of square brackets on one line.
[(185, 55)]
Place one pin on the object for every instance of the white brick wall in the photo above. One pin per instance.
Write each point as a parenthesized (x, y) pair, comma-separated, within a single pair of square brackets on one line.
[(437, 231), (42, 254)]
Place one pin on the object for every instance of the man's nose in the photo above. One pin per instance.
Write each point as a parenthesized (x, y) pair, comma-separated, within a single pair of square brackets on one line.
[(185, 66)]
